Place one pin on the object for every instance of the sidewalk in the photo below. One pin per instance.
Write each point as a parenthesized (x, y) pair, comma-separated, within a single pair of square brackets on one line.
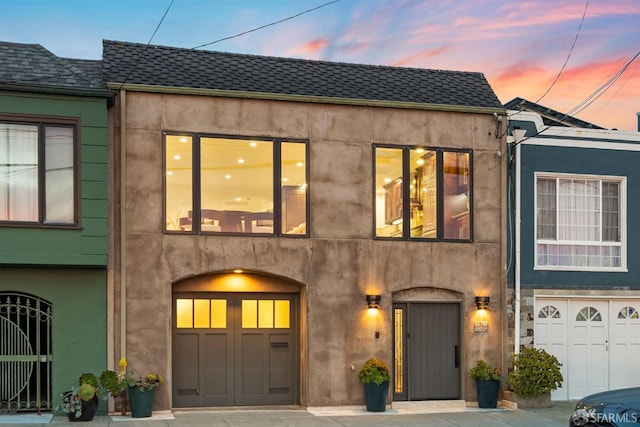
[(557, 415)]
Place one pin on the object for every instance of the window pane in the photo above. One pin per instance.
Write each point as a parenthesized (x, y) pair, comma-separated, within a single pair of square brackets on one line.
[(388, 192), (184, 313), (398, 351), (202, 316), (59, 187), (282, 316), (249, 313), (456, 195), (578, 210), (218, 313), (611, 211), (18, 172), (546, 208), (294, 188), (424, 196), (237, 184), (179, 185), (265, 314)]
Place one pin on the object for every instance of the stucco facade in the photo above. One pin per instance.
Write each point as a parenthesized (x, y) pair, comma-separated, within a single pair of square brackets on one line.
[(334, 268)]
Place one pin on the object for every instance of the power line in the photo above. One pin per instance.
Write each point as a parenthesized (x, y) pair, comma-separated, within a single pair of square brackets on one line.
[(160, 23), (568, 56), (265, 26)]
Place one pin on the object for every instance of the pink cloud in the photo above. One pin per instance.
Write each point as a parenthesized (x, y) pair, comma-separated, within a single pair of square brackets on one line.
[(417, 59)]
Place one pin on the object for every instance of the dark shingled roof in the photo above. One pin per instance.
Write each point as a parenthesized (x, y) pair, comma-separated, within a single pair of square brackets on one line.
[(549, 117), (141, 64), (33, 65)]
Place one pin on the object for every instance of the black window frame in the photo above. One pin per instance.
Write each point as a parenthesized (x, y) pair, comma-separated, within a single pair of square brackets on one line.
[(406, 192), (42, 123), (196, 184)]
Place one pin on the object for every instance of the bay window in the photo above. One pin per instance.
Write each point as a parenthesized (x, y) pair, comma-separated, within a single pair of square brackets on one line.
[(579, 222)]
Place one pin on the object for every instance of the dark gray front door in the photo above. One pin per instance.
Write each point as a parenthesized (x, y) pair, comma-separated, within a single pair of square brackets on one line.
[(234, 349), (427, 351)]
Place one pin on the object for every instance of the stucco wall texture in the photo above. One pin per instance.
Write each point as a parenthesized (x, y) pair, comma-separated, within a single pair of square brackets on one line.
[(337, 265)]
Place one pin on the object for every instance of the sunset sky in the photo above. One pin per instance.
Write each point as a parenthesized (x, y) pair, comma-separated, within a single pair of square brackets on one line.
[(520, 46)]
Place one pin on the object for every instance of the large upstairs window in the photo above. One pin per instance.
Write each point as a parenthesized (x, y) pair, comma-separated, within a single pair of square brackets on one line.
[(580, 222), (37, 174), (235, 185), (423, 193)]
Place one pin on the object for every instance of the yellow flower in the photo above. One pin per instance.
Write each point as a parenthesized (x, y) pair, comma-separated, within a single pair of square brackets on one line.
[(123, 364)]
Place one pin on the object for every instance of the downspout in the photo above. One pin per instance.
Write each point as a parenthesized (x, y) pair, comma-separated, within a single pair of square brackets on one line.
[(123, 223), (518, 135)]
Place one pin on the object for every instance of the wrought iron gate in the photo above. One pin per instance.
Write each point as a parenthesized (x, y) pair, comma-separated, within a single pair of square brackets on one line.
[(25, 353)]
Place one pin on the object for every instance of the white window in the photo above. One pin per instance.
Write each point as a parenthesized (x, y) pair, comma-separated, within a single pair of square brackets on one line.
[(580, 222)]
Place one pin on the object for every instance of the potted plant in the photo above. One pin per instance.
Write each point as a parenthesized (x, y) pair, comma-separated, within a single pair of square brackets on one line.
[(487, 383), (81, 404), (141, 391), (375, 377), (534, 375)]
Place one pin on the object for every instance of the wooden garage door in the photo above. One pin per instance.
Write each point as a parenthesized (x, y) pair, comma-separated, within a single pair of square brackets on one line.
[(234, 349)]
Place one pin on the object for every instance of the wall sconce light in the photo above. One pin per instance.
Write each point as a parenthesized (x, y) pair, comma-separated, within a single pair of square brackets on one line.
[(482, 303), (373, 301)]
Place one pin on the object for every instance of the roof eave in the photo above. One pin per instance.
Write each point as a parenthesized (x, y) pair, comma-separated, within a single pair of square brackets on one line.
[(57, 90), (302, 98)]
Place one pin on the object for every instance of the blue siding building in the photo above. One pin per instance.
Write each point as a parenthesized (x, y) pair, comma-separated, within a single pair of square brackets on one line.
[(574, 283)]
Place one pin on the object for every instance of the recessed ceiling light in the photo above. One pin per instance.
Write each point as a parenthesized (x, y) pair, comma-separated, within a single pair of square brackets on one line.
[(253, 144), (169, 172), (285, 179), (240, 160), (227, 176), (299, 164), (387, 180), (183, 139), (238, 199), (177, 157)]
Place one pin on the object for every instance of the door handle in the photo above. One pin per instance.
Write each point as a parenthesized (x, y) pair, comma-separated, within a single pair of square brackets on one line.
[(456, 356)]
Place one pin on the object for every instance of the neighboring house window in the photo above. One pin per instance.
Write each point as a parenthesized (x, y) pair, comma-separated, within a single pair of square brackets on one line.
[(423, 193), (37, 174), (235, 185), (579, 222)]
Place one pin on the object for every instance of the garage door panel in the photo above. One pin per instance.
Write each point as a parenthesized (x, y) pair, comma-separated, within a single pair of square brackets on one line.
[(185, 377), (218, 373)]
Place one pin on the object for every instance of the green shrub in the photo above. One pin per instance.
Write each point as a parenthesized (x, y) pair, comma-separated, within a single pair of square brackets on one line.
[(535, 372), (484, 372), (374, 371)]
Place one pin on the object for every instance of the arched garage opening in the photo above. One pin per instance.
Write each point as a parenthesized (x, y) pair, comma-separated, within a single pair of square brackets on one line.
[(236, 340)]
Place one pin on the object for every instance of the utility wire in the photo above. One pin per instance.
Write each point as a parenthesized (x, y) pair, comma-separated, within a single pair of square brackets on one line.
[(265, 26), (569, 55), (591, 98), (126, 76)]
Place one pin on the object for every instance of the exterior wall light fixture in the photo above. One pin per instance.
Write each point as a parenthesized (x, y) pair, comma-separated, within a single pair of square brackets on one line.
[(482, 303), (373, 301)]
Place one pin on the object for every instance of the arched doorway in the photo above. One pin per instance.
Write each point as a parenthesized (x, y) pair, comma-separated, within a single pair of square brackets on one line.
[(235, 341), (25, 353)]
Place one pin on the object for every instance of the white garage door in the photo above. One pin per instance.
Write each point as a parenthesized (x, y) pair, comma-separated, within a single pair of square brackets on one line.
[(596, 340)]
